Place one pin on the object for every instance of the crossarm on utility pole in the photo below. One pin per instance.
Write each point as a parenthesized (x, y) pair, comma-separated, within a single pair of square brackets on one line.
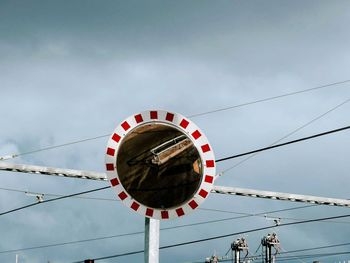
[(24, 168), (281, 196)]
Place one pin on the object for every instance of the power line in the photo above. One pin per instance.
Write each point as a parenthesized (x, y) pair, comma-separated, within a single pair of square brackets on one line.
[(243, 215), (227, 235), (140, 232), (264, 215), (58, 195), (71, 242), (283, 144), (196, 115), (261, 213), (118, 255), (280, 145), (223, 159), (219, 160), (269, 98), (313, 255), (53, 199), (191, 116), (114, 236), (255, 230), (231, 157), (122, 235), (61, 197), (52, 147), (289, 134), (297, 258), (315, 248)]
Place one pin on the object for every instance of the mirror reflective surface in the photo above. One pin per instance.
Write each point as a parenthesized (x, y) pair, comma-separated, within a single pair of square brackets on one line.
[(159, 166)]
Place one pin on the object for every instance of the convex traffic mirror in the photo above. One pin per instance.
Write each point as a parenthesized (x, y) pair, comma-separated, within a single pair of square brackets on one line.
[(160, 164)]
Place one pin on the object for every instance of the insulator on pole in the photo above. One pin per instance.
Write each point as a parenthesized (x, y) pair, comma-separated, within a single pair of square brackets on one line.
[(268, 242)]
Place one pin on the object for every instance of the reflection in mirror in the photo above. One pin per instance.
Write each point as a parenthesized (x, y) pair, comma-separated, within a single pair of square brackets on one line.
[(159, 166)]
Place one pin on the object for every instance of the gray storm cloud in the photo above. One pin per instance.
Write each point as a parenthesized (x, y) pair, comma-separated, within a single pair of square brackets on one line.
[(73, 70)]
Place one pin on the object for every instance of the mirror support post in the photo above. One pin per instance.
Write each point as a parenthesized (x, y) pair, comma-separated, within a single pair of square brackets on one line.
[(151, 240)]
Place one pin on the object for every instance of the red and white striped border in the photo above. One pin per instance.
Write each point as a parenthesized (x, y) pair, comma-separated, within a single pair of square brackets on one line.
[(193, 132)]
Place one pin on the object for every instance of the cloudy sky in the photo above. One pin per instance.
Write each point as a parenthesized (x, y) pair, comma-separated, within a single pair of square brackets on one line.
[(71, 70)]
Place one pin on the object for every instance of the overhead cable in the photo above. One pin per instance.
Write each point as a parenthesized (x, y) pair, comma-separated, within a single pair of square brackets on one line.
[(58, 195), (284, 144), (268, 99), (289, 134), (52, 147), (11, 156), (53, 199), (313, 256), (225, 236), (162, 229), (315, 248)]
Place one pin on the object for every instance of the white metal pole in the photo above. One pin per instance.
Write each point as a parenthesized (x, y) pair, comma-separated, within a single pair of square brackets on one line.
[(35, 169), (151, 240), (281, 196)]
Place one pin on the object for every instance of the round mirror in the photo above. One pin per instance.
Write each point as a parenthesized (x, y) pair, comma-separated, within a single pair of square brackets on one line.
[(159, 166)]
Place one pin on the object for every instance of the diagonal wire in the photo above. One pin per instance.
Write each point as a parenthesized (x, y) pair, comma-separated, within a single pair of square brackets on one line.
[(13, 210), (289, 258), (54, 199), (58, 195), (283, 144), (226, 235), (52, 147), (191, 116), (140, 232), (316, 248), (244, 214), (289, 134), (268, 99), (297, 258)]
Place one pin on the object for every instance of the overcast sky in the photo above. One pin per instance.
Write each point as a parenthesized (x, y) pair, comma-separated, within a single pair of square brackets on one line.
[(71, 70)]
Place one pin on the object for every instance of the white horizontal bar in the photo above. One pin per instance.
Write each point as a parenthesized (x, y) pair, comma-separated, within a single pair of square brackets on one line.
[(281, 196), (24, 168)]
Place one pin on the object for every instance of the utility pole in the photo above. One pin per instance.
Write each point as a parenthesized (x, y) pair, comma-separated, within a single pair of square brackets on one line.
[(267, 242), (237, 246)]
